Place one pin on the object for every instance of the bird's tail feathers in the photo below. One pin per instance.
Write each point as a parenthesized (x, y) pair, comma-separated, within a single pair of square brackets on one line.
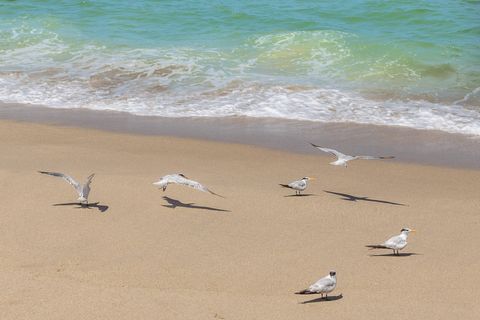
[(306, 291), (284, 185), (376, 246)]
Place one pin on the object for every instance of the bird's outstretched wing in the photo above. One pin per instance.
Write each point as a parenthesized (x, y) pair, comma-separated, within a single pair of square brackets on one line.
[(181, 179), (334, 152), (70, 180), (198, 186), (89, 179), (373, 158)]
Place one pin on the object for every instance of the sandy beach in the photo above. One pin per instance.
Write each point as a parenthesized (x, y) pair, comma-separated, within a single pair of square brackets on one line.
[(183, 254)]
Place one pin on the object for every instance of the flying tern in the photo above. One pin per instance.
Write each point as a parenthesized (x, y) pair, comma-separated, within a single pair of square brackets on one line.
[(342, 159), (179, 178)]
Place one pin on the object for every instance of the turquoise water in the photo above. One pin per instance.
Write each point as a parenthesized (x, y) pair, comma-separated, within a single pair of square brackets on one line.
[(409, 63)]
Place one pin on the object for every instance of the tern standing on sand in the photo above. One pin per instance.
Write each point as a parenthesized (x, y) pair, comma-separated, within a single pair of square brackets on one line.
[(342, 159), (179, 178), (395, 243), (323, 286), (83, 190), (299, 185)]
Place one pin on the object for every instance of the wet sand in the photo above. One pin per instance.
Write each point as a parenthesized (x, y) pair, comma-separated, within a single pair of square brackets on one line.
[(408, 145)]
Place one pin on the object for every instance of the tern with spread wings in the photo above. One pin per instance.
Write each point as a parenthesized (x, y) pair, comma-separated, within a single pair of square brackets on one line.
[(179, 178), (83, 190), (342, 159)]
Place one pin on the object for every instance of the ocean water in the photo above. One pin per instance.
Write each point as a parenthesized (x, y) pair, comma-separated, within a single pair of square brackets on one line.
[(406, 63)]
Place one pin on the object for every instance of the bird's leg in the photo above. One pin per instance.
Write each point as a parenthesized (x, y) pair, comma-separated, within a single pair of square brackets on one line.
[(321, 296), (326, 296)]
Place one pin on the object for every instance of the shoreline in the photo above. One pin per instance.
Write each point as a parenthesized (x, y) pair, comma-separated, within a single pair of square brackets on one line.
[(406, 144)]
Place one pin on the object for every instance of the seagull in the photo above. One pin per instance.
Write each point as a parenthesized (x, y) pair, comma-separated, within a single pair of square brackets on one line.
[(323, 286), (179, 178), (342, 159), (395, 243), (82, 189), (298, 186)]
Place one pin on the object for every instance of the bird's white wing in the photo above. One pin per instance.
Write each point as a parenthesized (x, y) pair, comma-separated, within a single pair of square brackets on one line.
[(179, 179), (373, 158), (197, 186), (334, 152), (322, 284), (394, 242), (297, 184), (70, 180)]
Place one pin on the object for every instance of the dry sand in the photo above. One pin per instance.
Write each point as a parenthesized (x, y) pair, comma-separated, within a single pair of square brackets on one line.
[(184, 254)]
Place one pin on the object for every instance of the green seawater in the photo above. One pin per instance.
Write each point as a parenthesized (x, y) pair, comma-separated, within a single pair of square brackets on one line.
[(380, 62)]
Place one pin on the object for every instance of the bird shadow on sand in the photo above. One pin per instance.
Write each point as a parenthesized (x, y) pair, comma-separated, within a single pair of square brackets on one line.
[(405, 254), (330, 298), (94, 205), (349, 197), (301, 195), (174, 203)]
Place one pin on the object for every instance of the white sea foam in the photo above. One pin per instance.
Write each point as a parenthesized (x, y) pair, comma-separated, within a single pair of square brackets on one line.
[(256, 100), (258, 80)]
